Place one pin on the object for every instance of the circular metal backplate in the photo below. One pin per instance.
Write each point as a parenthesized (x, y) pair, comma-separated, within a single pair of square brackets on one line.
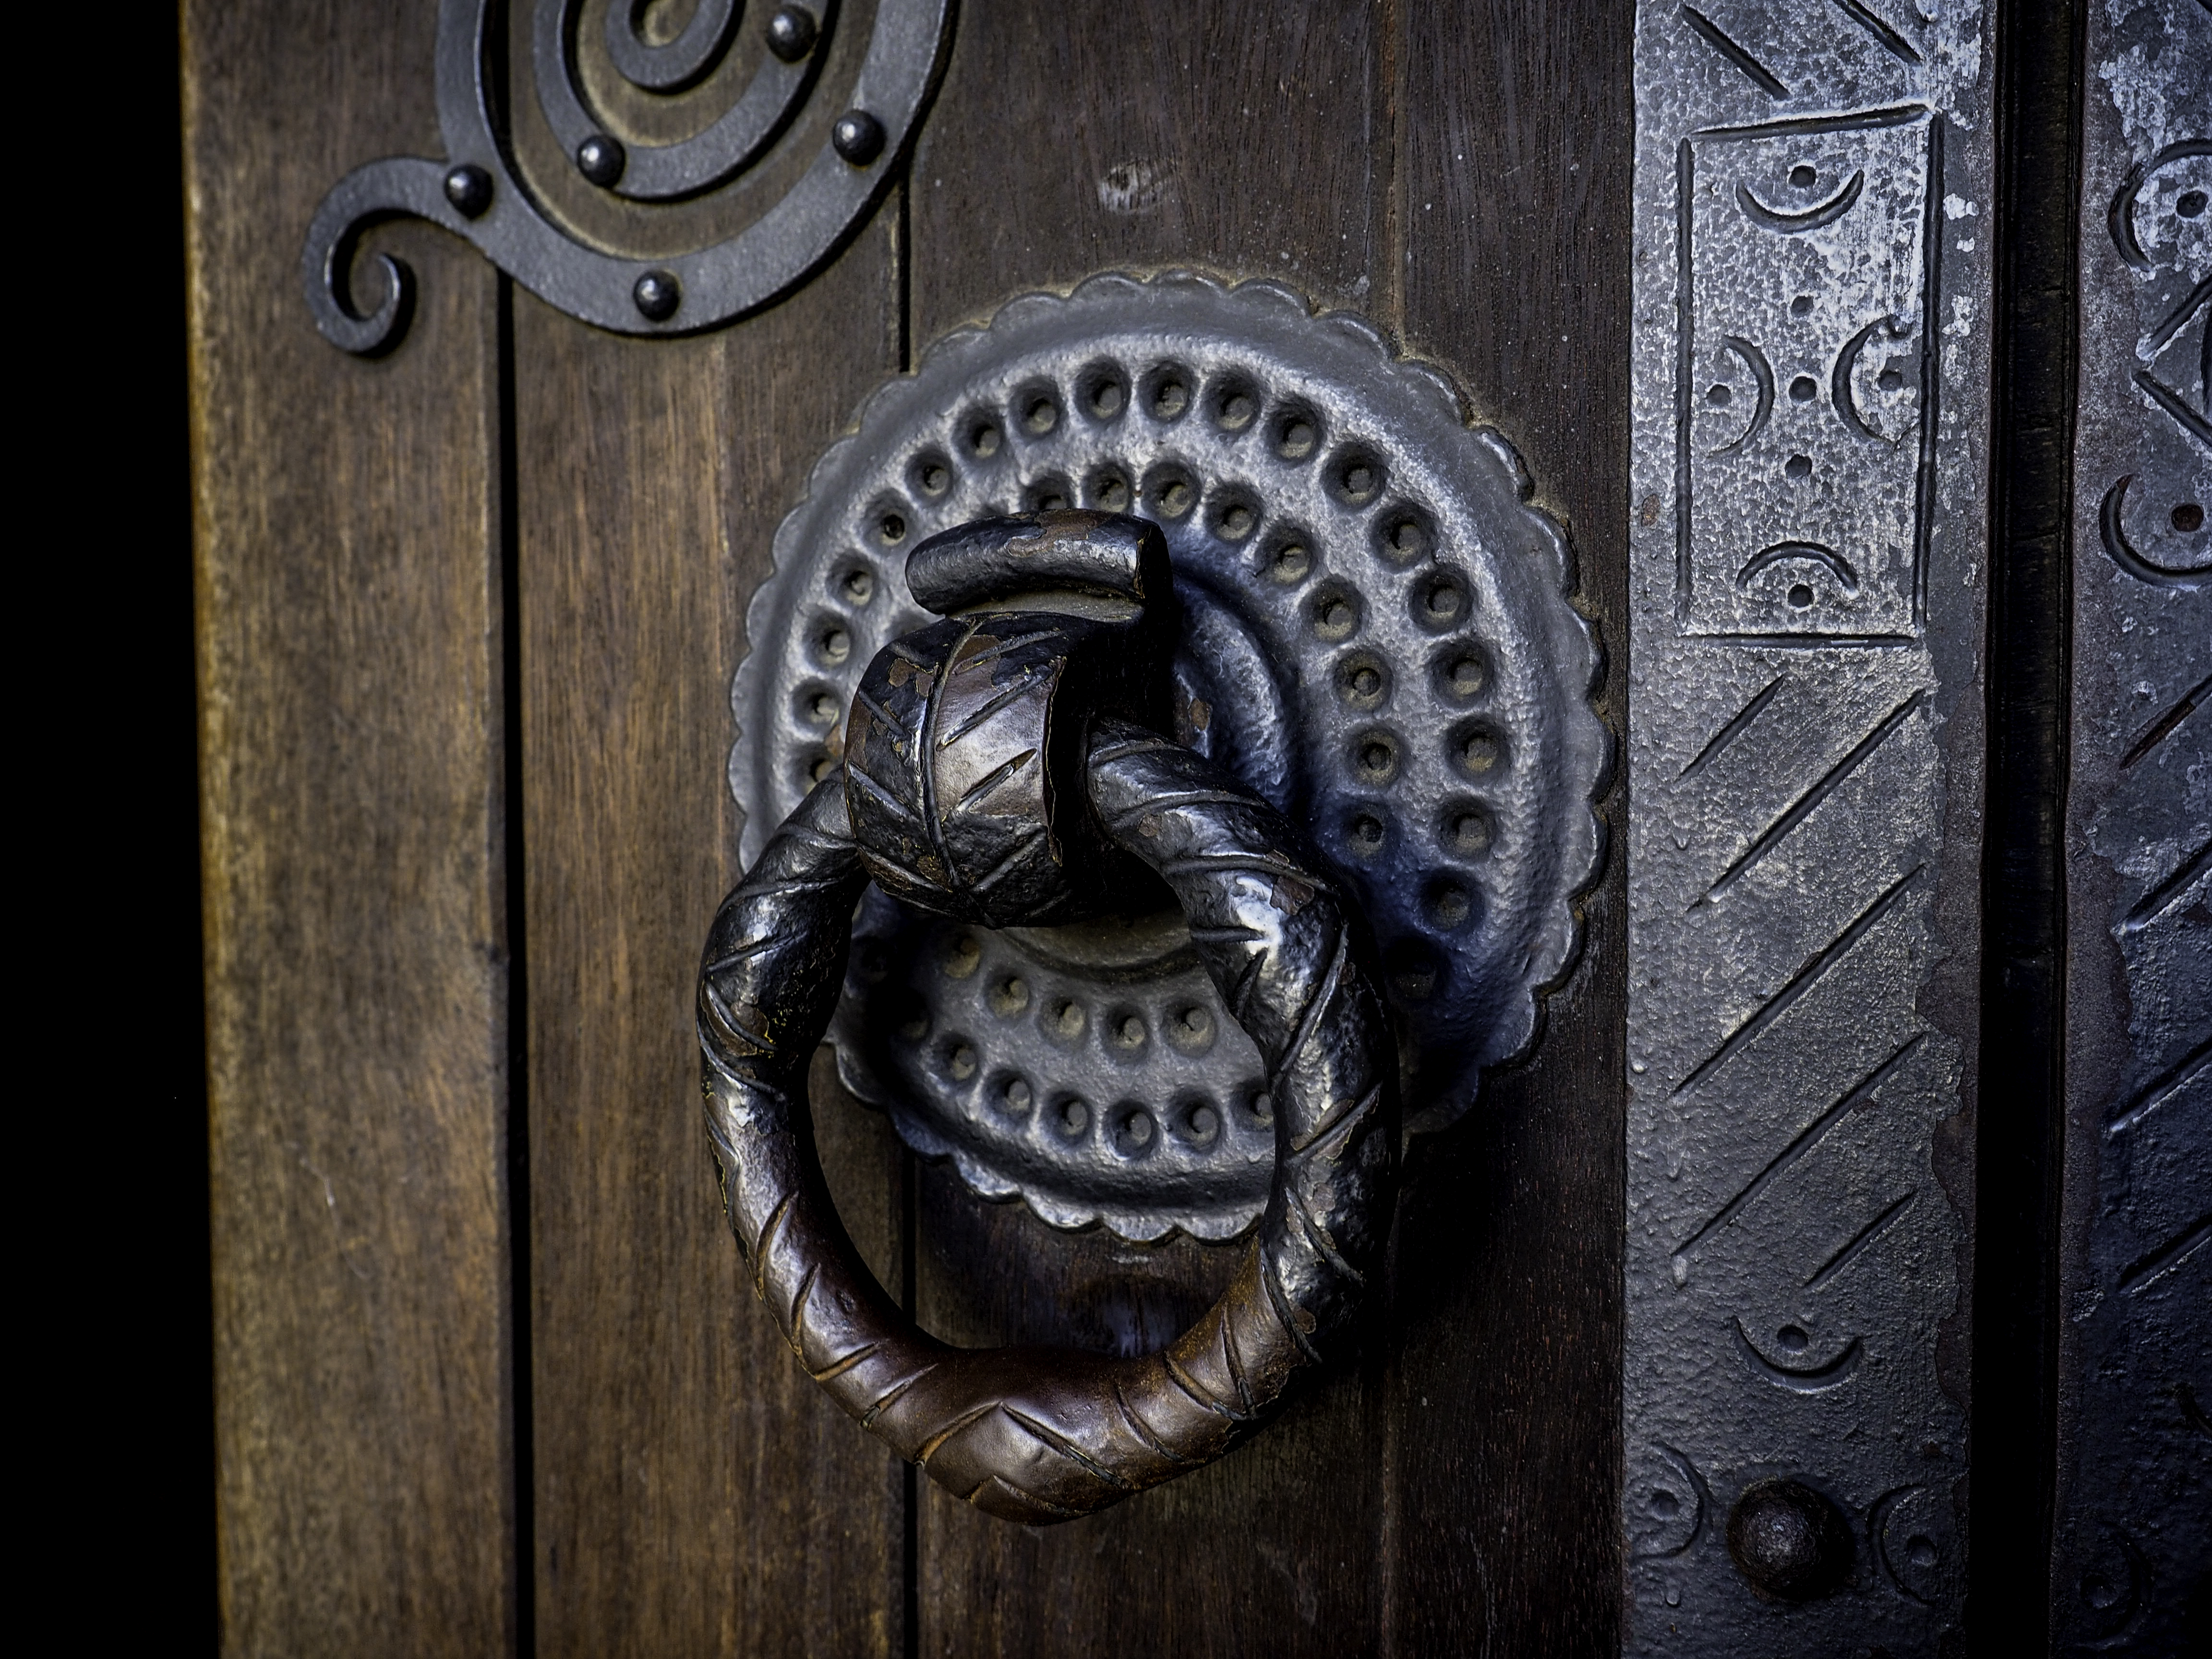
[(1378, 638)]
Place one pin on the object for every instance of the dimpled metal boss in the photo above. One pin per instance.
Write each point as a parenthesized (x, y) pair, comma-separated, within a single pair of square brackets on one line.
[(1373, 635)]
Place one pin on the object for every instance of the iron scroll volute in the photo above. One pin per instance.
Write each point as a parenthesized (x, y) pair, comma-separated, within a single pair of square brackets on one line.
[(480, 192), (987, 774)]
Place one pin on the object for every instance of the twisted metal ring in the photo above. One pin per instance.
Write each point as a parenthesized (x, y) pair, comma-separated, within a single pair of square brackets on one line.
[(1039, 1435)]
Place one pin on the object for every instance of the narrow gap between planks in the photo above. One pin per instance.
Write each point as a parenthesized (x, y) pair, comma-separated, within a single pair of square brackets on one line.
[(2013, 1424), (523, 1461)]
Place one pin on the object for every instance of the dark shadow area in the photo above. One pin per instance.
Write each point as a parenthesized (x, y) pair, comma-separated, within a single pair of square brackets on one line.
[(107, 629), (2022, 1099)]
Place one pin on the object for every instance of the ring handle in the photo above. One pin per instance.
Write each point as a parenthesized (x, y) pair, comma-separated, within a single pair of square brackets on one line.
[(1038, 1434)]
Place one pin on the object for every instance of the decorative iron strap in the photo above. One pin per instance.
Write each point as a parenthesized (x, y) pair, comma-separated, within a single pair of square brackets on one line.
[(1806, 528), (2133, 1535), (479, 192)]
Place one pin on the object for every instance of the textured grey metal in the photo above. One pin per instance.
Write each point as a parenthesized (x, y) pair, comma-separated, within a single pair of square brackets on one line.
[(1376, 638), (2134, 1531), (480, 194), (1806, 528)]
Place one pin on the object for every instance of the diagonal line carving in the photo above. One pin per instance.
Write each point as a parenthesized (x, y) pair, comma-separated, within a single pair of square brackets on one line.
[(990, 653), (986, 711), (2181, 314), (1803, 980), (2185, 418), (933, 715), (1729, 732), (1861, 1242), (884, 717), (722, 965), (2161, 1089), (1143, 1431), (992, 778), (1803, 807), (889, 801), (1762, 77), (1804, 1141), (1892, 42), (2167, 724), (2155, 903), (1051, 1437), (2147, 1268), (1015, 854)]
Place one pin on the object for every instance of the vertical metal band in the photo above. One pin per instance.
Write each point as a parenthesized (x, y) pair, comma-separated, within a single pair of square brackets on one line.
[(1807, 532), (2133, 1534)]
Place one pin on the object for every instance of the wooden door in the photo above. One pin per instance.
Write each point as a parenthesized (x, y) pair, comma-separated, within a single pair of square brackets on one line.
[(491, 1376)]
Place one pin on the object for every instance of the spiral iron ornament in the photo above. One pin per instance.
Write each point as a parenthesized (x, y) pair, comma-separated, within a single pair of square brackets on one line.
[(479, 194)]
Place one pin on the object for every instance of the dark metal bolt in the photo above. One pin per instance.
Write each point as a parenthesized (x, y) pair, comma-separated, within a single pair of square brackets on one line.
[(468, 187), (792, 32), (658, 294), (601, 160), (1790, 1541), (858, 136)]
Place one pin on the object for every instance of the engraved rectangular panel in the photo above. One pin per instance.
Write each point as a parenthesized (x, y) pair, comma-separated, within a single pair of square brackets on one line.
[(2132, 1539), (1804, 381), (1808, 526)]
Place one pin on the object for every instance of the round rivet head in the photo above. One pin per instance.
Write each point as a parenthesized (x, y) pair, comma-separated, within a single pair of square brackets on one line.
[(468, 188), (658, 294), (858, 136), (1790, 1541), (601, 158), (792, 32)]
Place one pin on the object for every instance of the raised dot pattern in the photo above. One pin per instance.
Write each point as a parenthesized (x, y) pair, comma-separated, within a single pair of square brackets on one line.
[(1141, 1091)]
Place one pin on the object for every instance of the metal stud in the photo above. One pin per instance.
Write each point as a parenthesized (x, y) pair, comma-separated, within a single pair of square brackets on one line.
[(1789, 1542), (468, 187), (858, 136), (601, 158), (792, 32), (658, 293)]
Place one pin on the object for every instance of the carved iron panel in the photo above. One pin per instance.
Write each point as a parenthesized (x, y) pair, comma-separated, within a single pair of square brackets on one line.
[(2134, 1533), (1807, 535), (1809, 415)]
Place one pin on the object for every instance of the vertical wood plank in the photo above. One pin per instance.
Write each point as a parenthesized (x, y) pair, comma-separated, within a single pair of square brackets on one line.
[(1240, 137), (351, 716), (1514, 125), (695, 1492), (1071, 138)]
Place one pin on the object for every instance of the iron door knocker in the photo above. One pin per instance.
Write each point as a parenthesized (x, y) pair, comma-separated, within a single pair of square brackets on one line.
[(1167, 747), (987, 775)]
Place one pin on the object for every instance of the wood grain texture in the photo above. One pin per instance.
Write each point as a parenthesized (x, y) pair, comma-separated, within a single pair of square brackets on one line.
[(1514, 129), (1092, 136), (350, 684), (695, 1492)]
